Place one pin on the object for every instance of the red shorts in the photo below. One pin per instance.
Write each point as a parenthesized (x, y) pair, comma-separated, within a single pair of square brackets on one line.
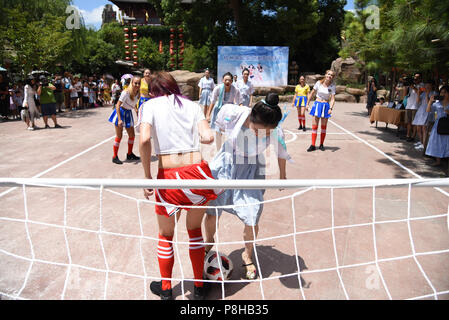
[(173, 200)]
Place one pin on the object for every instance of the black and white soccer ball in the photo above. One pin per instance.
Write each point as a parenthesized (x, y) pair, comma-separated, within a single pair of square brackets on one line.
[(212, 266)]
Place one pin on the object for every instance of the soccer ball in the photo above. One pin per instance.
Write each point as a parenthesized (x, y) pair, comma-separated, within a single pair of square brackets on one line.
[(212, 266)]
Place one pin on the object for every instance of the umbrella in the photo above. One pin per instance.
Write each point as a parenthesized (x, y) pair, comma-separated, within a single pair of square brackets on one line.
[(126, 76), (38, 72)]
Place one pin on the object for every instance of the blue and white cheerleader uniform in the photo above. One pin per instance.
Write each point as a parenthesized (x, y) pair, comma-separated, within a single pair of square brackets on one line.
[(321, 109), (241, 157), (126, 110), (206, 85)]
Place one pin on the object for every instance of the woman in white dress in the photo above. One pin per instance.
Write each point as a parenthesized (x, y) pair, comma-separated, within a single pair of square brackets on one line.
[(30, 111), (206, 86), (246, 89), (421, 116)]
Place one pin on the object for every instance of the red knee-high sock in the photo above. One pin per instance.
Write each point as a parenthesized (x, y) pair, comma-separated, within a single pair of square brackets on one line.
[(314, 133), (196, 253), (116, 146), (323, 134), (299, 120), (130, 145), (304, 120), (166, 259)]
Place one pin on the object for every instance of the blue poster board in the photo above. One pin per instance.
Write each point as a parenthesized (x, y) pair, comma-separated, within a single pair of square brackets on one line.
[(268, 66)]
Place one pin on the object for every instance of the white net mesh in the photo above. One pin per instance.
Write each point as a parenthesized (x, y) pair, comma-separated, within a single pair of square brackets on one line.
[(74, 241)]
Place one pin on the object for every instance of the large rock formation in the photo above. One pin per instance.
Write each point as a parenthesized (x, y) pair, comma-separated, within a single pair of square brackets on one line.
[(347, 70), (188, 82)]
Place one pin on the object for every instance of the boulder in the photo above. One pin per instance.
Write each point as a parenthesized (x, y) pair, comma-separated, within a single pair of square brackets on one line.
[(286, 99), (313, 78), (188, 82), (340, 89), (355, 92), (347, 69), (363, 99), (345, 97)]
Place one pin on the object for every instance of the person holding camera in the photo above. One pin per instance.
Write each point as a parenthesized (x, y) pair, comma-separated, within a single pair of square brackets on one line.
[(48, 101), (412, 106)]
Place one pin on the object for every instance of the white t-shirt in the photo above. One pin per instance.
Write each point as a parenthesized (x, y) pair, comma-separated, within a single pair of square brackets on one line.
[(412, 100), (85, 91), (78, 86), (323, 92), (127, 102), (73, 93), (174, 128), (206, 84)]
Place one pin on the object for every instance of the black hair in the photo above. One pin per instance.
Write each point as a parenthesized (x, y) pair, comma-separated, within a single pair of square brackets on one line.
[(228, 74), (446, 87), (267, 112), (246, 69)]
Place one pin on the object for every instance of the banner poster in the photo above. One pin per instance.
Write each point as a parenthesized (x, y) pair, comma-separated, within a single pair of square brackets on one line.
[(268, 66)]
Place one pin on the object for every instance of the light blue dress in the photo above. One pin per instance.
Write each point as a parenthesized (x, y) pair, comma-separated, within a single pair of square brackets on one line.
[(241, 157), (206, 85), (438, 145)]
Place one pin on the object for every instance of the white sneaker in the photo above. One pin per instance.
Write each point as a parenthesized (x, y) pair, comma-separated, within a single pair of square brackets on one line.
[(30, 128)]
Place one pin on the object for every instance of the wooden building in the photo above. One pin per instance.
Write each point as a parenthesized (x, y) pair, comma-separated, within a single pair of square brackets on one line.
[(137, 12)]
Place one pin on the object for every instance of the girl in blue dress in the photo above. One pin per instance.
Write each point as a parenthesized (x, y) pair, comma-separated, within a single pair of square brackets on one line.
[(250, 132), (438, 145)]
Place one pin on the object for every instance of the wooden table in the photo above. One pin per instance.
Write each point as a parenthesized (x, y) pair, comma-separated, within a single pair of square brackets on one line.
[(388, 115)]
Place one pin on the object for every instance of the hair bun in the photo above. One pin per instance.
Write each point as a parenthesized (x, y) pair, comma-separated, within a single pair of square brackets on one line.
[(272, 99)]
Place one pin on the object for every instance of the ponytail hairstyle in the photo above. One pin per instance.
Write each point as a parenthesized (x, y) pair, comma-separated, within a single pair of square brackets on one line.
[(162, 83), (267, 112)]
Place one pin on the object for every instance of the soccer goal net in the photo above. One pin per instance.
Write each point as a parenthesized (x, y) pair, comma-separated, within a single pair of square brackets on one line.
[(317, 239)]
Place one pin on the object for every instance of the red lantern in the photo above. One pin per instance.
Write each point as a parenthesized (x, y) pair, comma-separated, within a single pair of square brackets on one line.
[(127, 53), (180, 64), (172, 42), (134, 51), (125, 29), (181, 52), (172, 65), (135, 63), (134, 40), (126, 41), (134, 29), (126, 35), (180, 58), (171, 51), (127, 58), (172, 30), (135, 46), (180, 36), (134, 35), (181, 30), (172, 36), (126, 47)]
